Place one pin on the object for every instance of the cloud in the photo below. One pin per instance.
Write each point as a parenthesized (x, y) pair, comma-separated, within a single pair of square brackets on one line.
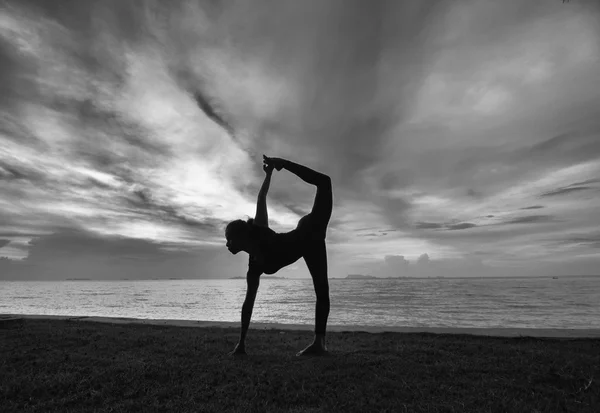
[(424, 266), (589, 181), (423, 259), (142, 199), (530, 219), (563, 191), (395, 265), (437, 121), (395, 260), (78, 254), (429, 225), (450, 227), (464, 225), (591, 239)]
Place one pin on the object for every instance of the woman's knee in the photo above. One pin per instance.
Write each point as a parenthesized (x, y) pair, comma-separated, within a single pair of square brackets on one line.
[(323, 305), (323, 299), (325, 181), (322, 290)]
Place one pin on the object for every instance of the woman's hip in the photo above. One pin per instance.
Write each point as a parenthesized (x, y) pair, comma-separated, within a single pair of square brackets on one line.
[(311, 227)]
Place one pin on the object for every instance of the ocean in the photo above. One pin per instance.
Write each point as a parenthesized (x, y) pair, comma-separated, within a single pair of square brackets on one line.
[(564, 302)]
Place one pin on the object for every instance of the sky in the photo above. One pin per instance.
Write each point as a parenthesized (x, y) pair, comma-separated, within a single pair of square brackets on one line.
[(462, 137)]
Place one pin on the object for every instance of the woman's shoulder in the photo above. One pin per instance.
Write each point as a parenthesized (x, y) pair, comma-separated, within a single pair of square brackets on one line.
[(260, 230)]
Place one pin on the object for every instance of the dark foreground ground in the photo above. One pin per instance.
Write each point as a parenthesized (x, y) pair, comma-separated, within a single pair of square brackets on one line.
[(77, 366)]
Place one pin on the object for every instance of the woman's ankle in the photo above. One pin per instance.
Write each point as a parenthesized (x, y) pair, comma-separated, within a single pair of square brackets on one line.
[(320, 339)]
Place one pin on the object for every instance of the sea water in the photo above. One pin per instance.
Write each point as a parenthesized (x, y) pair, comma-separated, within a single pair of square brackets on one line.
[(564, 302)]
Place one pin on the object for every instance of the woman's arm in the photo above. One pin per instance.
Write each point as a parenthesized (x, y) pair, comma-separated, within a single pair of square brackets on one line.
[(253, 281), (308, 175), (262, 217)]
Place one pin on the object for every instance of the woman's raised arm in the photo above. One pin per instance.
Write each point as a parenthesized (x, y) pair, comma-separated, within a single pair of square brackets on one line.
[(308, 175), (262, 216)]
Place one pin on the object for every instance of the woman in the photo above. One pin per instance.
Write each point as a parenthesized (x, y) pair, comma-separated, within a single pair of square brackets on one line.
[(270, 251)]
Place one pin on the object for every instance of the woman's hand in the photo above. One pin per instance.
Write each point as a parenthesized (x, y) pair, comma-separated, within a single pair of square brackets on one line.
[(268, 168), (276, 163)]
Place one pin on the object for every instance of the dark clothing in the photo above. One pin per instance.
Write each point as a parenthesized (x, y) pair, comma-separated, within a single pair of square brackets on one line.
[(279, 250), (307, 240)]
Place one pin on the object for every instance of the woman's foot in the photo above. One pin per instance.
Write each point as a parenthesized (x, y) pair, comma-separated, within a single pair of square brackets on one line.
[(317, 348)]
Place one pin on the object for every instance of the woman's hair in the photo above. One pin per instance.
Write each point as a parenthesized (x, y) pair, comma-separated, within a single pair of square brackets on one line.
[(239, 226)]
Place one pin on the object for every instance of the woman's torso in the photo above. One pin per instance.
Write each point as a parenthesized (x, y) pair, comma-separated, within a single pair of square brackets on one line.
[(277, 250)]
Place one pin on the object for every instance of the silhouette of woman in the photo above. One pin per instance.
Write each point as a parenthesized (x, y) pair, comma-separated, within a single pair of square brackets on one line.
[(270, 251)]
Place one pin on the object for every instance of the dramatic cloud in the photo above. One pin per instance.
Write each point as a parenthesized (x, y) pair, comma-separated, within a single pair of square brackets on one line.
[(567, 190), (393, 266), (77, 254), (139, 126), (530, 219)]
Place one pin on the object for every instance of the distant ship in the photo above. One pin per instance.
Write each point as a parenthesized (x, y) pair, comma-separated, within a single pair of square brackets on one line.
[(358, 277)]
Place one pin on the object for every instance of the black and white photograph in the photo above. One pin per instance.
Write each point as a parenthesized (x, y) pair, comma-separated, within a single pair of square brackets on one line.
[(300, 206)]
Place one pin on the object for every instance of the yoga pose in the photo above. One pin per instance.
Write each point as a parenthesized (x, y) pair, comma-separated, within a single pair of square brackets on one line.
[(270, 251)]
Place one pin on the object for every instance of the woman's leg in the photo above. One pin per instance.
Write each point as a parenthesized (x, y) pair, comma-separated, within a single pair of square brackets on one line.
[(315, 251), (323, 204), (321, 210), (316, 261)]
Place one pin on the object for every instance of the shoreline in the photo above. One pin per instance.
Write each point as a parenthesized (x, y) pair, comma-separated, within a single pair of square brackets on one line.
[(476, 331), (507, 277)]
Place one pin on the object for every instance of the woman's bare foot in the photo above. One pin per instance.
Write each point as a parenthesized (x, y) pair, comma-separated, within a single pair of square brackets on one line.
[(317, 348), (239, 350)]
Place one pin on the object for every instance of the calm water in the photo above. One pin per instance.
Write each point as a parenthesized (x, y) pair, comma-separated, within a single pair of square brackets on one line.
[(527, 303)]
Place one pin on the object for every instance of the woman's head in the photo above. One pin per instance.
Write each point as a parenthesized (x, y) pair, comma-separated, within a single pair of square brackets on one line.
[(237, 234)]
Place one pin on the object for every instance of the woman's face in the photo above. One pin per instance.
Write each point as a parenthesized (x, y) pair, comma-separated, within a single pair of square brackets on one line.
[(234, 243)]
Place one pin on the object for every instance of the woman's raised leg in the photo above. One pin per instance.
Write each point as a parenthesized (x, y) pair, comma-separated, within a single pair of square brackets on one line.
[(323, 204), (315, 251)]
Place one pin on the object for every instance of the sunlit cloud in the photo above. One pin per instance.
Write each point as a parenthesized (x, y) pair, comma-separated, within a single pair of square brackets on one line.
[(466, 131)]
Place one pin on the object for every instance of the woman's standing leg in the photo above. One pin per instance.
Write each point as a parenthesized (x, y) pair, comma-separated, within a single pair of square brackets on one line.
[(316, 258), (316, 261)]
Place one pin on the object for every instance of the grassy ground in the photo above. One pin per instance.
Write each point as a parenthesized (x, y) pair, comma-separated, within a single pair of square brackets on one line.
[(77, 366)]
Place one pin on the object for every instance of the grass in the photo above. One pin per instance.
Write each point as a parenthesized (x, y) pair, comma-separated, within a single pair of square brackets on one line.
[(82, 366)]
